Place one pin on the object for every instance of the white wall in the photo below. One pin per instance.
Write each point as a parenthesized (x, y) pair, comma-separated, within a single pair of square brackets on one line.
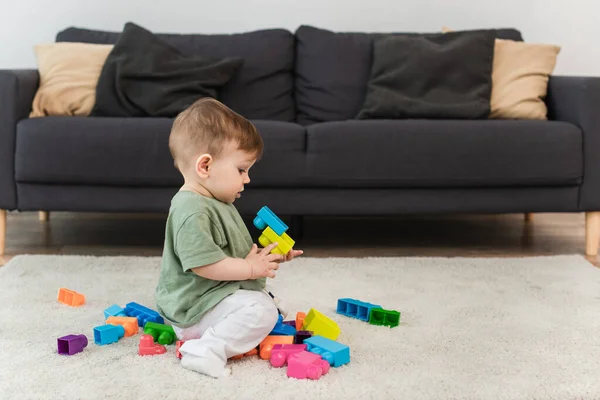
[(573, 24)]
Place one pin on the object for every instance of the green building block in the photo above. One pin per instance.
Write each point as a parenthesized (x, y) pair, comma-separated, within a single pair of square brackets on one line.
[(163, 334), (379, 316)]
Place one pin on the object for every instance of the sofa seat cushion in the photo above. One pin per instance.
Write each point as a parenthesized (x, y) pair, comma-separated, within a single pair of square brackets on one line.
[(135, 152), (437, 153)]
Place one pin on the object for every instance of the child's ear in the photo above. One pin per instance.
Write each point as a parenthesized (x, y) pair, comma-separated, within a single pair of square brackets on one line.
[(203, 164)]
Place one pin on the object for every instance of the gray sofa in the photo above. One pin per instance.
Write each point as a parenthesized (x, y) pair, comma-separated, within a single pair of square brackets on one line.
[(302, 91)]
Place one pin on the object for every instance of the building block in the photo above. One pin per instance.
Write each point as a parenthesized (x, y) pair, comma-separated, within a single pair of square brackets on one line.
[(267, 344), (282, 329), (301, 336), (129, 323), (335, 353), (107, 334), (300, 320), (281, 352), (383, 317), (284, 242), (147, 347), (253, 352), (290, 323), (321, 325), (163, 334), (306, 365), (70, 297), (143, 314), (114, 311), (355, 308), (265, 217), (71, 344), (178, 344)]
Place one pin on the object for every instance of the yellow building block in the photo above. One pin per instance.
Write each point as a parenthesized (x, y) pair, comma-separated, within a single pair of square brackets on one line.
[(320, 324), (285, 242)]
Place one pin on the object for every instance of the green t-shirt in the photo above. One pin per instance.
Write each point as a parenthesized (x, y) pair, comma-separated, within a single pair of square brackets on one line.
[(200, 231)]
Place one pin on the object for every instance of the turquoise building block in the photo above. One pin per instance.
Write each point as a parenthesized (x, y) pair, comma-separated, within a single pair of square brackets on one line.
[(335, 353), (107, 334), (265, 217), (355, 308), (114, 311)]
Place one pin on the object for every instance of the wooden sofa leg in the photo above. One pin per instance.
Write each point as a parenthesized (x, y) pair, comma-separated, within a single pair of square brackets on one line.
[(2, 231), (44, 216), (528, 217), (592, 233)]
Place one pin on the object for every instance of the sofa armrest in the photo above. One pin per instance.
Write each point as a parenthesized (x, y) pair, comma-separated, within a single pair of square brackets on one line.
[(576, 99), (17, 90)]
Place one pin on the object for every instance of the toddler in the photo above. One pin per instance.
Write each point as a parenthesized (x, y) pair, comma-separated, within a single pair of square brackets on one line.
[(212, 280)]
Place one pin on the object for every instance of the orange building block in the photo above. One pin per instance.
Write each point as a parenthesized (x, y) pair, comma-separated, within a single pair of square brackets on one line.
[(300, 320), (267, 344), (70, 297), (129, 323), (252, 352)]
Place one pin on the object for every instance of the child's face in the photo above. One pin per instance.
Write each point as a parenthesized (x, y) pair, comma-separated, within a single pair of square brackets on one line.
[(228, 174)]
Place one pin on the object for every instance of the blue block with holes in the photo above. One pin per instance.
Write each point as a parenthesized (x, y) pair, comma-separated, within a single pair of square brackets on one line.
[(335, 353), (355, 308)]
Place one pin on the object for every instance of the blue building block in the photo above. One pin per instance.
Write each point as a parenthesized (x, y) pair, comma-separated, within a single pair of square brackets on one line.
[(355, 308), (143, 314), (265, 217), (282, 329), (107, 334), (333, 352), (114, 311)]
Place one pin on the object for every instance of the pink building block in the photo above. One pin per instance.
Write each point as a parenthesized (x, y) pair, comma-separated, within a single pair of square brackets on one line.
[(305, 365), (178, 345), (281, 352), (147, 346)]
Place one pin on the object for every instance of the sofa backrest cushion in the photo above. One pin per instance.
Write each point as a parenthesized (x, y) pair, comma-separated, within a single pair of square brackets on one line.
[(261, 89), (333, 70)]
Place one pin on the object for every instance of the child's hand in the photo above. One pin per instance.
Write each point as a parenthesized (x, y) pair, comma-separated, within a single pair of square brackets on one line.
[(291, 254), (263, 263)]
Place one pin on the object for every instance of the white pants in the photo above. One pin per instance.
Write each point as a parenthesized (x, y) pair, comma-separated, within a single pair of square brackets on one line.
[(234, 326)]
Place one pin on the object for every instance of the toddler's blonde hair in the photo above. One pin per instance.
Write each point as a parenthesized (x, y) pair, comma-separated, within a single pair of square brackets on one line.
[(206, 127)]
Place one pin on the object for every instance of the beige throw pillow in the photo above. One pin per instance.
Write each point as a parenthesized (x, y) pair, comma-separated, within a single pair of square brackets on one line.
[(520, 79), (520, 76), (69, 74)]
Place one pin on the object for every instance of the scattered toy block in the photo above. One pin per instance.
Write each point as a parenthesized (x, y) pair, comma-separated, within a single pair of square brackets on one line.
[(114, 311), (306, 365), (355, 308), (383, 317), (267, 344), (71, 344), (143, 314), (284, 242), (282, 329), (265, 217), (178, 344), (163, 334), (250, 353), (70, 298), (147, 347), (321, 325), (335, 353), (290, 323), (301, 336), (107, 334), (129, 323), (300, 320), (281, 352)]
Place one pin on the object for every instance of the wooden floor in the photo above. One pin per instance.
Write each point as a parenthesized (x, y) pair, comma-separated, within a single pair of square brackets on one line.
[(427, 235)]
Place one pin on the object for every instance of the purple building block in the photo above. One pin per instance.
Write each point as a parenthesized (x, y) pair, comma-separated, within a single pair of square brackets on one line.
[(301, 335), (290, 323), (71, 344)]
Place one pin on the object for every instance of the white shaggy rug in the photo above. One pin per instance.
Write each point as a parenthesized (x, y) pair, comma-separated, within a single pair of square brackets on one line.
[(525, 328)]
